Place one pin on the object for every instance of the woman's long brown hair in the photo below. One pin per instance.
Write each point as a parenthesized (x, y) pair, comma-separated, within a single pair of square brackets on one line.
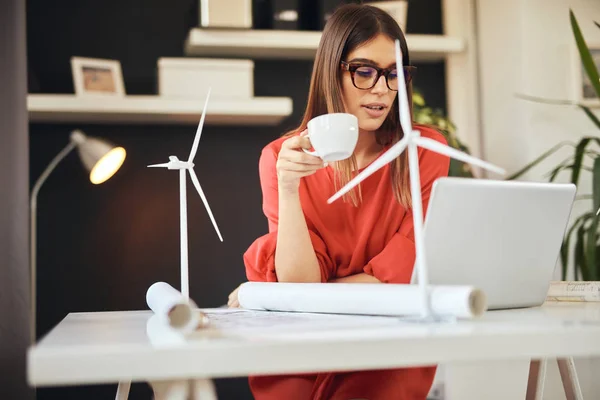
[(349, 27)]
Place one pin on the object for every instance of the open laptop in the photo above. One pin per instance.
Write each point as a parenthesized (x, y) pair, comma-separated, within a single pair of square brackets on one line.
[(503, 237)]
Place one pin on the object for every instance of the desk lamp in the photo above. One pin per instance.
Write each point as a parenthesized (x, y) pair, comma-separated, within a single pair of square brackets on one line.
[(102, 159)]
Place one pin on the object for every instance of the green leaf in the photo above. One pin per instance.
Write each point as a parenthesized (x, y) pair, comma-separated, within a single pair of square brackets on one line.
[(580, 254), (418, 99), (564, 257), (538, 160), (536, 99), (597, 266), (564, 250), (454, 169), (593, 229), (596, 183), (460, 169), (579, 150), (590, 252), (586, 56), (597, 24), (592, 116), (561, 167), (578, 162)]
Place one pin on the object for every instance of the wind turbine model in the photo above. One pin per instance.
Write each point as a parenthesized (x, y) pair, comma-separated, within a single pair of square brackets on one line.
[(183, 166), (412, 139)]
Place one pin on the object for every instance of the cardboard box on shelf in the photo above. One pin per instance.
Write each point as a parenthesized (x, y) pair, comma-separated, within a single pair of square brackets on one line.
[(191, 77)]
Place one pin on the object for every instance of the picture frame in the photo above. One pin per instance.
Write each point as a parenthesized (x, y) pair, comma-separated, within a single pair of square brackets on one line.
[(583, 91), (97, 77)]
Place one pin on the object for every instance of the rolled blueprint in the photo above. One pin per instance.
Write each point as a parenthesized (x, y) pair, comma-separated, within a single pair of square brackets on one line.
[(173, 308), (363, 299), (161, 334)]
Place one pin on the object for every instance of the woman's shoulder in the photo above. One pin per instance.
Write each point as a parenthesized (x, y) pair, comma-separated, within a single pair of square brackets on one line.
[(431, 132), (274, 146), (435, 162)]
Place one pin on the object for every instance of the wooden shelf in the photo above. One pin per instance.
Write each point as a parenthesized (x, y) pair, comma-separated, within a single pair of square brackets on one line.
[(59, 108), (272, 44)]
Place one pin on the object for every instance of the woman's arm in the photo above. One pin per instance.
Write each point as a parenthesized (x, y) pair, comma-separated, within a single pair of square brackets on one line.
[(295, 257), (292, 251), (358, 278)]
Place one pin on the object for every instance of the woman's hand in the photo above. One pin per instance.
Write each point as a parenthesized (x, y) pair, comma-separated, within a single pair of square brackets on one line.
[(233, 302), (293, 163)]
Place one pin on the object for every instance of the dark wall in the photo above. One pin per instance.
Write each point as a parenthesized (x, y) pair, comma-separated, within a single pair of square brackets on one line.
[(14, 214), (101, 247)]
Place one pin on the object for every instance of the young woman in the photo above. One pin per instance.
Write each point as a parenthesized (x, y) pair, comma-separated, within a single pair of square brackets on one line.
[(368, 235)]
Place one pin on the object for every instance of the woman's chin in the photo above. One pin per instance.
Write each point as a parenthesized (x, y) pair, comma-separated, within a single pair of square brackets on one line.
[(370, 124)]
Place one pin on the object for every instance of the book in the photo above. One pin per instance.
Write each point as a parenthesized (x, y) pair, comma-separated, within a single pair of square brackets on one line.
[(574, 291)]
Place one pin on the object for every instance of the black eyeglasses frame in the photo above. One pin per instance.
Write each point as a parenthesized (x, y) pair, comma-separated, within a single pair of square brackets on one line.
[(409, 72)]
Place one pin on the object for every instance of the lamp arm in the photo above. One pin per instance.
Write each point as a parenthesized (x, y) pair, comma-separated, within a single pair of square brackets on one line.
[(33, 226), (57, 159)]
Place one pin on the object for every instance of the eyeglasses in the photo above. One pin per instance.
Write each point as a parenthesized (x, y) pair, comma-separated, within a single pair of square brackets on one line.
[(365, 76)]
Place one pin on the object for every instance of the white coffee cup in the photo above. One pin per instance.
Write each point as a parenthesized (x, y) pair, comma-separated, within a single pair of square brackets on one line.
[(333, 136)]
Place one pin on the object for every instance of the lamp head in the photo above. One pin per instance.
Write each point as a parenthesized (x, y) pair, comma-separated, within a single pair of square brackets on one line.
[(101, 158)]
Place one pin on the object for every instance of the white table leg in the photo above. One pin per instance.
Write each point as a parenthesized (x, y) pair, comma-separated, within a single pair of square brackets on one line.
[(570, 381), (123, 390), (171, 390), (204, 389), (537, 377)]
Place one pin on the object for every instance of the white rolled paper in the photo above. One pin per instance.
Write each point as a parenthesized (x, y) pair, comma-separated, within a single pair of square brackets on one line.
[(172, 307), (161, 334), (361, 299)]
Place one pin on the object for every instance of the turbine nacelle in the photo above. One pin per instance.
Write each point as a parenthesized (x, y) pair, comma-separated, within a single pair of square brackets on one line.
[(174, 163)]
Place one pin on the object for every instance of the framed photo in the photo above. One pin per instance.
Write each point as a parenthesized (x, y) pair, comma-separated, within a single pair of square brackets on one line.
[(584, 92), (97, 77)]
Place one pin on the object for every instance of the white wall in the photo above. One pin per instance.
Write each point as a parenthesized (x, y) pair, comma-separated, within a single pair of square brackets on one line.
[(526, 46)]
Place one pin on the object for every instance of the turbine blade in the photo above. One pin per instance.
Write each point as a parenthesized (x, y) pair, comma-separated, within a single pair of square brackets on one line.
[(199, 130), (203, 197), (404, 109), (438, 147), (385, 158), (165, 165)]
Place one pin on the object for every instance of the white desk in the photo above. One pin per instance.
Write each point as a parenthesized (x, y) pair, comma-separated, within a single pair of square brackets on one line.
[(109, 347)]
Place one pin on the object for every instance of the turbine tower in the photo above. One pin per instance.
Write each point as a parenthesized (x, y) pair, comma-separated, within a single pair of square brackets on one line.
[(183, 167)]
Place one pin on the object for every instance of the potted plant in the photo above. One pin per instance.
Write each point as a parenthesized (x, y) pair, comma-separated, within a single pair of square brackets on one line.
[(583, 232)]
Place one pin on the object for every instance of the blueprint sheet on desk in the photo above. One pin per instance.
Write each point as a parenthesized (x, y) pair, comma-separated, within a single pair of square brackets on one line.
[(235, 321)]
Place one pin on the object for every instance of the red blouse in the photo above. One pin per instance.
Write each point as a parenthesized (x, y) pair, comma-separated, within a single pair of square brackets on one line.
[(375, 238)]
